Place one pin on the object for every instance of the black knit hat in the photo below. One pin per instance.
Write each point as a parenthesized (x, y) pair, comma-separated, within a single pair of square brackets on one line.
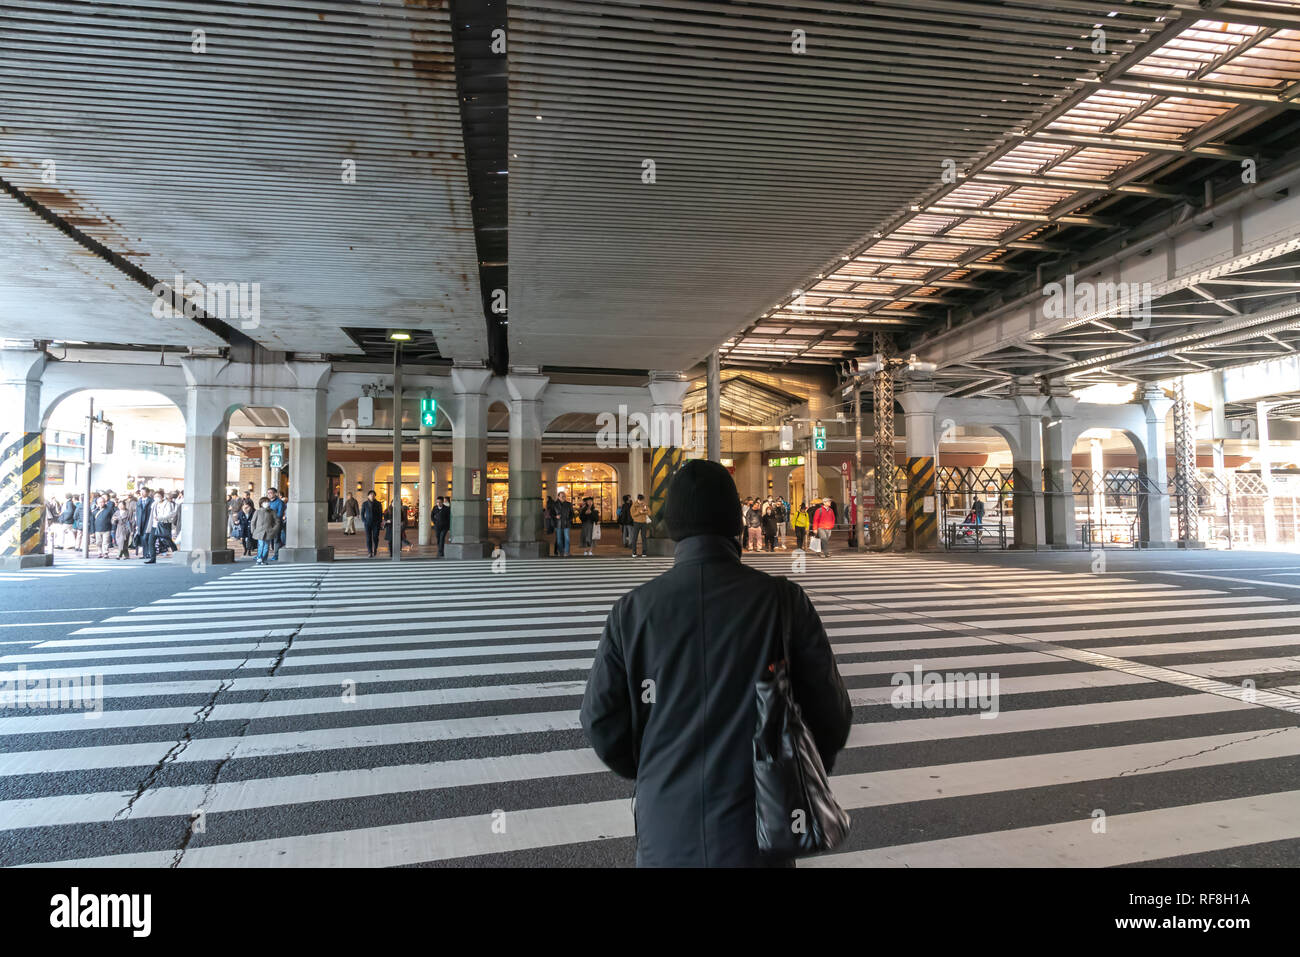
[(702, 500)]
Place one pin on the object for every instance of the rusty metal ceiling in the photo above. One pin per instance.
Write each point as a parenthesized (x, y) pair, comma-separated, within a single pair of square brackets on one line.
[(768, 161), (1140, 134), (229, 166)]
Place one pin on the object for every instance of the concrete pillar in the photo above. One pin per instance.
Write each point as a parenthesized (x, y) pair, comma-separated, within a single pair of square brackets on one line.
[(1097, 467), (549, 471), (266, 472), (469, 508), (1155, 515), (22, 460), (635, 474), (919, 401), (424, 508), (307, 537), (204, 515), (667, 389), (1027, 499), (1059, 528), (524, 532)]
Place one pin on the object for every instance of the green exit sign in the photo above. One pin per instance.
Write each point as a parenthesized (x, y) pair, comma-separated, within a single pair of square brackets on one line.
[(428, 411)]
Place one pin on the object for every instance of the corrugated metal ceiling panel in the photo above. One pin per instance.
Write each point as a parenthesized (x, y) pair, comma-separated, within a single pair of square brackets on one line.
[(227, 165)]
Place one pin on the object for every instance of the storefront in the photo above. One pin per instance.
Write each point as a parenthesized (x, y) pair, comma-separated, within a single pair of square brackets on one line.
[(579, 480), (498, 493), (410, 483)]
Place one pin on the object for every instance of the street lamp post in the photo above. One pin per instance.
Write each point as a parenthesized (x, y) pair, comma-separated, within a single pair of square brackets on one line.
[(85, 505)]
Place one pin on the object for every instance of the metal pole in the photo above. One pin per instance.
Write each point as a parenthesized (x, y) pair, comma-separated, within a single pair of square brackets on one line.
[(715, 407), (395, 490), (85, 505), (857, 462)]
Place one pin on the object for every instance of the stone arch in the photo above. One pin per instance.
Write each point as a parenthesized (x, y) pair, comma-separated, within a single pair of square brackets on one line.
[(1107, 510), (124, 470), (56, 399)]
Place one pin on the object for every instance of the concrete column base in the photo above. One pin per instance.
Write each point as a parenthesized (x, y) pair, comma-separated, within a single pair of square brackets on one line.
[(1175, 544), (15, 562), (300, 556), (216, 556), (661, 547), (469, 550), (527, 549)]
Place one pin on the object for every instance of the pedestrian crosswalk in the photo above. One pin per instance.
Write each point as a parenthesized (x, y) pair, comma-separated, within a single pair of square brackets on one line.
[(426, 714), (63, 567)]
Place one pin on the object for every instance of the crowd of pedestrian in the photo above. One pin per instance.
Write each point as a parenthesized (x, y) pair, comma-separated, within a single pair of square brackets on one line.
[(258, 526), (121, 527)]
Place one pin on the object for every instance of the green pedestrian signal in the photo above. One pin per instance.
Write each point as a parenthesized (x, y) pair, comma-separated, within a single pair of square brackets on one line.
[(428, 411), (819, 438)]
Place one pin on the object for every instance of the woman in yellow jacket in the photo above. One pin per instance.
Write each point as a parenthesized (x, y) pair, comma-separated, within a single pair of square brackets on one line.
[(800, 526)]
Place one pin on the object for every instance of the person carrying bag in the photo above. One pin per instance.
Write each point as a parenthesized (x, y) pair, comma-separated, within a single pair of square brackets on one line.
[(670, 700), (796, 813)]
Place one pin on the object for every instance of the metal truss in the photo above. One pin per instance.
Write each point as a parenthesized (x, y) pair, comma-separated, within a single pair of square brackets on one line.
[(1184, 461), (884, 522), (1084, 173)]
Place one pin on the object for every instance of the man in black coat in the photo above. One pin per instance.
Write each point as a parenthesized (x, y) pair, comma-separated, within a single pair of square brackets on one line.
[(143, 511), (561, 513), (671, 698), (441, 523), (372, 517)]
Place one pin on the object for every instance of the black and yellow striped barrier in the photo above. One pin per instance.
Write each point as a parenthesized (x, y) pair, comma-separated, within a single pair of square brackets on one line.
[(22, 488), (664, 463), (922, 525)]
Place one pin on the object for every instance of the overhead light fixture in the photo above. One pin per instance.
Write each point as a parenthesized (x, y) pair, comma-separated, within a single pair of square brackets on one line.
[(398, 335)]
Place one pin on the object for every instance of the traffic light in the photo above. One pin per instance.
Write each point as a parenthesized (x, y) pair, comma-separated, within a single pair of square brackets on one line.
[(819, 438), (428, 411)]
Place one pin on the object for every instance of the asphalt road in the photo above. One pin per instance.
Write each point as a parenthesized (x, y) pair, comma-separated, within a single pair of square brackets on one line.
[(425, 714)]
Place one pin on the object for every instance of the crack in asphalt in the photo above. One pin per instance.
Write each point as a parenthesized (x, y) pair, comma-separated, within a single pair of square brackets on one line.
[(1217, 747), (183, 742), (239, 734)]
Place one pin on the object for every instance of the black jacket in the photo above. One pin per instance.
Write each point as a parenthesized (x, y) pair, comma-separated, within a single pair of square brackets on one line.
[(704, 633), (102, 519), (372, 514), (562, 513), (442, 516), (143, 509)]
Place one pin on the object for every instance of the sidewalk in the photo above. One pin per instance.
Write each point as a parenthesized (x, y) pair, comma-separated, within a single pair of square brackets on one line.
[(354, 546)]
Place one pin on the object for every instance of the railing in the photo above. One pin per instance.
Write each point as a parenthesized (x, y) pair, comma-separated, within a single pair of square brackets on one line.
[(975, 536)]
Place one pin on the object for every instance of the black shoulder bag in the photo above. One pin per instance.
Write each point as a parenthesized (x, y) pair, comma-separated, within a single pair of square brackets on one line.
[(797, 815)]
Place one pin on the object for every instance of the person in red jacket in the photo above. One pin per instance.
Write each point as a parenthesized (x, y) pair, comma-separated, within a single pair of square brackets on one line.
[(823, 522)]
